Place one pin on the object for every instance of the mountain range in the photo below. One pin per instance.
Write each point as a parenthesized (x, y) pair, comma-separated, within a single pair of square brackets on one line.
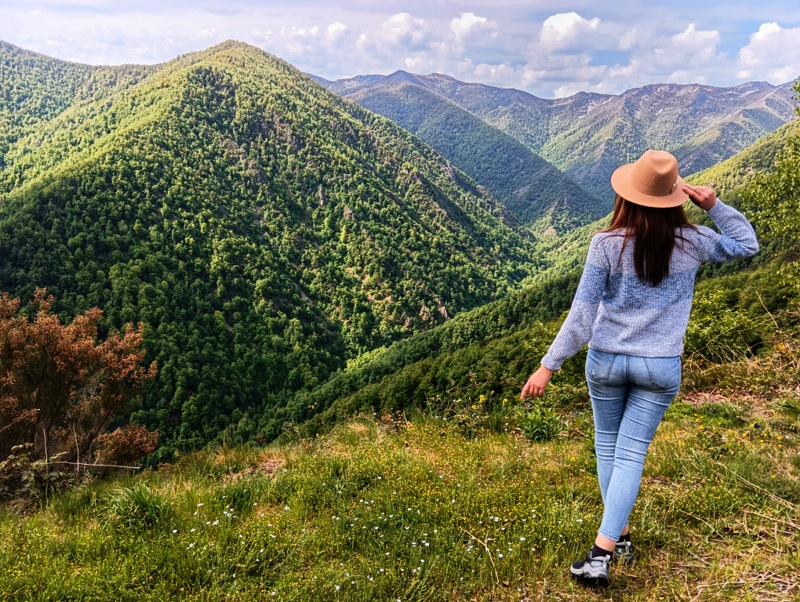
[(531, 188), (586, 135)]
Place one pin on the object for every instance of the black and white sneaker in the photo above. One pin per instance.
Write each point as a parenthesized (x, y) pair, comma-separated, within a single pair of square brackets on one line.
[(623, 552), (592, 572)]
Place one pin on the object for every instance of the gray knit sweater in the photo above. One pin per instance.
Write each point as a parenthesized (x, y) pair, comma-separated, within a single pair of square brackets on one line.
[(613, 311)]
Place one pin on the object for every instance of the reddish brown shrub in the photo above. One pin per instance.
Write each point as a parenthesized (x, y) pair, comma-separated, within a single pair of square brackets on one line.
[(59, 387), (125, 445)]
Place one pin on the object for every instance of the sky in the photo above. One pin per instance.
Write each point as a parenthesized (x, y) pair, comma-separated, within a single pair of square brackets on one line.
[(547, 47)]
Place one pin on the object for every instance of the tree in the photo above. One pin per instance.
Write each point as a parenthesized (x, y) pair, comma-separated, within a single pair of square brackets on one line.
[(774, 200), (60, 388), (774, 196)]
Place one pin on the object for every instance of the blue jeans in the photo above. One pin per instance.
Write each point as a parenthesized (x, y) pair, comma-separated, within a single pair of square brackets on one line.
[(629, 397)]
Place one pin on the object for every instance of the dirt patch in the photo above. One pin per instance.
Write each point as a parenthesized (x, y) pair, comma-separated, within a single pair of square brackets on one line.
[(751, 405), (268, 468)]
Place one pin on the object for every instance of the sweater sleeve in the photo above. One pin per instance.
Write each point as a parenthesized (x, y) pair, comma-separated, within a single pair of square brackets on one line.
[(577, 328), (737, 238)]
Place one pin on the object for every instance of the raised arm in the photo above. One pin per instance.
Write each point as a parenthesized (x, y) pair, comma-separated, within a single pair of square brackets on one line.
[(737, 238)]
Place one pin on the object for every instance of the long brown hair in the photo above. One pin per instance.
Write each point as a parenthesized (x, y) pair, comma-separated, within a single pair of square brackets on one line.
[(653, 231)]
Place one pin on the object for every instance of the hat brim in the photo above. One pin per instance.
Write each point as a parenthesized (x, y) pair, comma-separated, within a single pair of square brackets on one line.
[(622, 185)]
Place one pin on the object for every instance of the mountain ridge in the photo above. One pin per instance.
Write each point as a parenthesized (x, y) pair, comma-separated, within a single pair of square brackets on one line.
[(587, 135), (531, 189)]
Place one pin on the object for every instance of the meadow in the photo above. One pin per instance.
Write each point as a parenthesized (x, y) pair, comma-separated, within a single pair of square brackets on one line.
[(464, 505)]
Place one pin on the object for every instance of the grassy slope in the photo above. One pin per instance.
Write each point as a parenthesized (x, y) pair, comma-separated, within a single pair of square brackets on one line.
[(417, 511)]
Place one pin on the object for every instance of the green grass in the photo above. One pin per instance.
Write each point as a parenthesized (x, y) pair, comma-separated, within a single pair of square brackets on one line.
[(388, 509)]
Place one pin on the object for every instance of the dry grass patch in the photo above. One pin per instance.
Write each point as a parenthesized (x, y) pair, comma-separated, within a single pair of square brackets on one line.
[(266, 467)]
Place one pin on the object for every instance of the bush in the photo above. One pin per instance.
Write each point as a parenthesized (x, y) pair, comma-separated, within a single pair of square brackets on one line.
[(23, 477), (125, 445), (539, 424), (59, 388), (718, 333)]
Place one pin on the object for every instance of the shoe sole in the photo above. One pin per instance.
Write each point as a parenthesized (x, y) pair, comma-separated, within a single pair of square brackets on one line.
[(590, 578), (591, 581)]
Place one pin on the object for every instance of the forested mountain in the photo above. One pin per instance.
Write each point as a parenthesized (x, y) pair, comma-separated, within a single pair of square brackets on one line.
[(588, 135), (730, 176), (484, 353), (262, 228), (269, 233), (35, 88), (531, 188)]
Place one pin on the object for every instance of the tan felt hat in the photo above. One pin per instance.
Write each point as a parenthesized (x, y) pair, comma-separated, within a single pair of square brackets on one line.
[(652, 181)]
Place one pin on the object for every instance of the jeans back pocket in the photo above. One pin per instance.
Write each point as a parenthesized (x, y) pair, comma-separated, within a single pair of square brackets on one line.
[(599, 364), (664, 372)]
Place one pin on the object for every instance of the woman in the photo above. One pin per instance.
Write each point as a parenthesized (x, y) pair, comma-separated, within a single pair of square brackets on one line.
[(632, 308)]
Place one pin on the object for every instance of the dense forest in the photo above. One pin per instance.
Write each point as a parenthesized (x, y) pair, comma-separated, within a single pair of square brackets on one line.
[(263, 230), (742, 309)]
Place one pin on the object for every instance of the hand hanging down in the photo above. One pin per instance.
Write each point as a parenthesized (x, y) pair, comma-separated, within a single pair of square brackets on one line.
[(537, 383)]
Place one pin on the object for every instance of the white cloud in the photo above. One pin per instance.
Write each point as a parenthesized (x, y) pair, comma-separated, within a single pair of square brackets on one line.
[(469, 26), (298, 40), (691, 56), (537, 46), (300, 32), (693, 45), (405, 29), (561, 56), (402, 40), (498, 74), (336, 30), (417, 64), (653, 56), (773, 52), (565, 30)]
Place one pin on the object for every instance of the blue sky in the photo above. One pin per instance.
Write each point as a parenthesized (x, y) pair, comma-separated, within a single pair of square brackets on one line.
[(550, 48)]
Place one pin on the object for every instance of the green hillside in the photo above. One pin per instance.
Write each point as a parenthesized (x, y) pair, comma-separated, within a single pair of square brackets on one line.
[(715, 144), (531, 189), (729, 176), (263, 229), (35, 88)]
